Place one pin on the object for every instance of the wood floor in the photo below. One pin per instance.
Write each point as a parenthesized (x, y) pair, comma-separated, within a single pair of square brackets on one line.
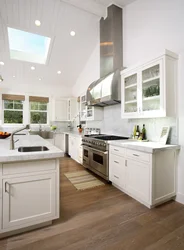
[(104, 218)]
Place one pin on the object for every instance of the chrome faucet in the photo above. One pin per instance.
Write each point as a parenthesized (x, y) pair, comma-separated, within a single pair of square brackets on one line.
[(12, 142)]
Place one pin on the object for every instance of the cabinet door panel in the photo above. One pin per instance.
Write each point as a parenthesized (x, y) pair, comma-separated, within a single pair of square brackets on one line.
[(138, 180), (59, 141), (61, 110), (27, 199)]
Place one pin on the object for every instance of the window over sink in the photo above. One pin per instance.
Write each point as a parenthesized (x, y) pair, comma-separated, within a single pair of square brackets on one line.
[(38, 110), (13, 109)]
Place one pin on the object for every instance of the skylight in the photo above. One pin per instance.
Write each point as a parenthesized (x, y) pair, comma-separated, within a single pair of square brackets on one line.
[(28, 47)]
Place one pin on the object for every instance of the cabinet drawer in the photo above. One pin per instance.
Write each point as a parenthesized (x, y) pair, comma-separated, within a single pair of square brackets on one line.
[(117, 150), (137, 155), (28, 167), (116, 169)]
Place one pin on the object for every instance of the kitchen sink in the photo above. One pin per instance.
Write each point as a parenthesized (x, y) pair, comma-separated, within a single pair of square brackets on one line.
[(43, 134), (33, 149)]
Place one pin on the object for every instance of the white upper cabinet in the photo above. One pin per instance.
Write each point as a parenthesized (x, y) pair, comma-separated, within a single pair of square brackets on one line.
[(89, 113), (150, 89), (65, 109)]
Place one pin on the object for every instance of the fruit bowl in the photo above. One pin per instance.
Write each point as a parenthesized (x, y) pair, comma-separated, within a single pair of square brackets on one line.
[(4, 136)]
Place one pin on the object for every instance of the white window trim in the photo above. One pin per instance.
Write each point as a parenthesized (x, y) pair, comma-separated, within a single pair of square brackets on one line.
[(12, 124), (37, 124)]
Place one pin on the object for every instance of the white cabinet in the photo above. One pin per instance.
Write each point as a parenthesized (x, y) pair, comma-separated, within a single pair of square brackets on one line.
[(29, 194), (60, 108), (149, 178), (150, 89), (138, 179), (59, 141), (65, 109), (27, 199), (89, 113), (75, 150)]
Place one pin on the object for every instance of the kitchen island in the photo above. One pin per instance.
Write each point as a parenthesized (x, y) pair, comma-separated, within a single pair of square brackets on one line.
[(29, 185)]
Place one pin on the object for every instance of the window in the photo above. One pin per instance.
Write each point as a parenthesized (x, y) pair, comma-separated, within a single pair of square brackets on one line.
[(13, 108), (38, 112), (28, 47), (13, 111)]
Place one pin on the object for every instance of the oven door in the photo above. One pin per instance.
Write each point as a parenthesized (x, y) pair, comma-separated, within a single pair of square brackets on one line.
[(86, 155), (99, 161)]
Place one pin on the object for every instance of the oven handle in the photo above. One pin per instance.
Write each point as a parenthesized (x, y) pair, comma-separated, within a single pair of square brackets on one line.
[(103, 152)]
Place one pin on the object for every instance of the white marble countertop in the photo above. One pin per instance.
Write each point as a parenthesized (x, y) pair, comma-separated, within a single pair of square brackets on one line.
[(7, 155), (148, 147)]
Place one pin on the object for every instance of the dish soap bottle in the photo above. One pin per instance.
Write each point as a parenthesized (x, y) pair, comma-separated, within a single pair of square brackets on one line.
[(143, 132)]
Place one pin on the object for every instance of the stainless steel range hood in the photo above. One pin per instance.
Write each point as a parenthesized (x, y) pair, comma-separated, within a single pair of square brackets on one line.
[(107, 90)]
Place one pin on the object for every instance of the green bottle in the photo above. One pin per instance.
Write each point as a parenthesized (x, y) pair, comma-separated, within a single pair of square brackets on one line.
[(143, 132)]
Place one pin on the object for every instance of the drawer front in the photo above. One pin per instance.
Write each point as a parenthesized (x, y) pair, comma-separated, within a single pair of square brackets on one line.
[(28, 167), (117, 150), (138, 155), (117, 169)]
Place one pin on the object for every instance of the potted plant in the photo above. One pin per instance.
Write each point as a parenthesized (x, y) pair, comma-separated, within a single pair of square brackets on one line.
[(79, 128)]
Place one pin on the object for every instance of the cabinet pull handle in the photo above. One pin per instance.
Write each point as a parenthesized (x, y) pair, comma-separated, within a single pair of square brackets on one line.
[(125, 163), (116, 150), (136, 155), (116, 176), (6, 190), (116, 162)]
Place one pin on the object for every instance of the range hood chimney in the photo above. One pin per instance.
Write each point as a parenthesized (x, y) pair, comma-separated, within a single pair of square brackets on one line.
[(107, 90)]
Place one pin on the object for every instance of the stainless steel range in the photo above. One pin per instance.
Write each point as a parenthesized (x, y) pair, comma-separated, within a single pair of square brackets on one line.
[(96, 153)]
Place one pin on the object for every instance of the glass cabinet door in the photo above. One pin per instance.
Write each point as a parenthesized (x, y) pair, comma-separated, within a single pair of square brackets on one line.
[(151, 86), (130, 94)]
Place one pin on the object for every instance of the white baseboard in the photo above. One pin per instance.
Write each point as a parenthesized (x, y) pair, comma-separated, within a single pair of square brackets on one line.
[(180, 198)]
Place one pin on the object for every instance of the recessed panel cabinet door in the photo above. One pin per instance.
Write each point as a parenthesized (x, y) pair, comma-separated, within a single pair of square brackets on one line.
[(138, 180), (28, 199), (61, 110)]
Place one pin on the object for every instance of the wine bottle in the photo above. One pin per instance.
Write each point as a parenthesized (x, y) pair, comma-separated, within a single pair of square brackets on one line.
[(137, 132), (134, 132), (144, 132)]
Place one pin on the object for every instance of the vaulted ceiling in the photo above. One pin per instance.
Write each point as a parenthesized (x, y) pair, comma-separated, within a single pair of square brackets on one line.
[(58, 18)]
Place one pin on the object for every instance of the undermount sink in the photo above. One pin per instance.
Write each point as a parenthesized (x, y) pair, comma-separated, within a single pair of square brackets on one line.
[(32, 149), (43, 134)]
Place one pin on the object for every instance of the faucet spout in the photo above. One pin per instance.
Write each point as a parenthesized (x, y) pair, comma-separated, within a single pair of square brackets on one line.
[(12, 143)]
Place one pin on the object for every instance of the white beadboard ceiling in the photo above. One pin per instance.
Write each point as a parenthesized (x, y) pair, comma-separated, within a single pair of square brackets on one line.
[(58, 18)]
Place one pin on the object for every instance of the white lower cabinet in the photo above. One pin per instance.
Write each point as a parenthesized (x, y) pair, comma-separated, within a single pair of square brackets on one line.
[(75, 148), (59, 141), (29, 194), (138, 179), (148, 178), (26, 199)]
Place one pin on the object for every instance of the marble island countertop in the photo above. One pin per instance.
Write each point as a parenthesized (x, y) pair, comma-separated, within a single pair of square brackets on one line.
[(148, 147), (7, 155)]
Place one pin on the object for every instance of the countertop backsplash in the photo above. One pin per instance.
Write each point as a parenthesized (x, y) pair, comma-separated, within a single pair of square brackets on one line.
[(113, 124)]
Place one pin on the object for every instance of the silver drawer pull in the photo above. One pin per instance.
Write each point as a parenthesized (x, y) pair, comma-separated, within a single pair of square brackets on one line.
[(116, 176), (116, 150), (116, 162), (6, 190), (136, 155)]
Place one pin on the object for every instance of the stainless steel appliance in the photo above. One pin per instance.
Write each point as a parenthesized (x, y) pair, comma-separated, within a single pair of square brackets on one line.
[(96, 153)]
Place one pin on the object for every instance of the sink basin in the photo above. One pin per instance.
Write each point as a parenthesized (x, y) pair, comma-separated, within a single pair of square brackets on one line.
[(43, 134), (33, 149)]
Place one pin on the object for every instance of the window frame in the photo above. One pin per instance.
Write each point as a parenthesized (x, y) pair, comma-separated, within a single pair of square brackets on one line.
[(22, 110), (39, 111)]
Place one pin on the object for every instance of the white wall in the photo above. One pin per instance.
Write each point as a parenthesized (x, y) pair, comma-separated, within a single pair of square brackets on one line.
[(150, 27)]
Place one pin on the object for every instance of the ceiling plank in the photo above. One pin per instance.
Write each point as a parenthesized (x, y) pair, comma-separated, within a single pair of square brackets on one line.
[(89, 6)]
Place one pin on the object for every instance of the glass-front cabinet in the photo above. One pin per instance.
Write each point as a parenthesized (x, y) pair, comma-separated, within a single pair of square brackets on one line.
[(149, 90), (130, 97)]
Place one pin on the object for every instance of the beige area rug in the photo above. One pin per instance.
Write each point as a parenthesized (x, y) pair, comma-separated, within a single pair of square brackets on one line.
[(83, 180)]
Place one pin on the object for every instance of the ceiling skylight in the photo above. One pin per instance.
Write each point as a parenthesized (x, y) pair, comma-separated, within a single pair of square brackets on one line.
[(28, 47)]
